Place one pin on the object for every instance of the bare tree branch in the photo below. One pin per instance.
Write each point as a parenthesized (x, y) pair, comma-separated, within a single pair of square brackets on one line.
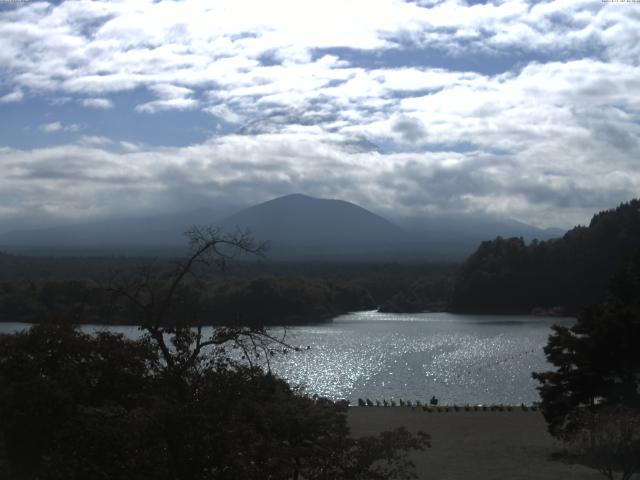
[(153, 295)]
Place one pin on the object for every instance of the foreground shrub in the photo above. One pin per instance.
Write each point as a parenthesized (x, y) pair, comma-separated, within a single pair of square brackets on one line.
[(608, 439), (74, 406)]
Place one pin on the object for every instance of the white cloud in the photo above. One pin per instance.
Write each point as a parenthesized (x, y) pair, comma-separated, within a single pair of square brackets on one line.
[(167, 91), (57, 101), (130, 147), (15, 96), (51, 127), (171, 97), (225, 113), (102, 103), (121, 46), (169, 104), (176, 49), (558, 134), (95, 140), (59, 127), (82, 179)]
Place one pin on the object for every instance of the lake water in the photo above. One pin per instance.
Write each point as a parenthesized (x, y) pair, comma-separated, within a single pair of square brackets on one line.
[(458, 358)]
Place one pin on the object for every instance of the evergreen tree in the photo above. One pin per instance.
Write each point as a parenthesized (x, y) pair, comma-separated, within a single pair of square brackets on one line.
[(597, 359)]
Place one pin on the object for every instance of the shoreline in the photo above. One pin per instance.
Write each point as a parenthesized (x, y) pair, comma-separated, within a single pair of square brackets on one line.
[(446, 407), (291, 321)]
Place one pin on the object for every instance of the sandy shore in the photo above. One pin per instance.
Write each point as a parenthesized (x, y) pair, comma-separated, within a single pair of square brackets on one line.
[(475, 445)]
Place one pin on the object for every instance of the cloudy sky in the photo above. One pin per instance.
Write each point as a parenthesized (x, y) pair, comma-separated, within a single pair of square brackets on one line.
[(528, 109)]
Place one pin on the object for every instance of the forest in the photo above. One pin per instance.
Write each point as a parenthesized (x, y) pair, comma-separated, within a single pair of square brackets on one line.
[(559, 276), (44, 289)]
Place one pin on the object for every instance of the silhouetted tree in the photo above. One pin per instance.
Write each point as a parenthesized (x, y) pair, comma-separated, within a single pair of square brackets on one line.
[(55, 382), (597, 359), (167, 303)]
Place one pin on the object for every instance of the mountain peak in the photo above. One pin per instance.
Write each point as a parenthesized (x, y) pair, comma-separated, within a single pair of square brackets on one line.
[(319, 224), (294, 201), (293, 197)]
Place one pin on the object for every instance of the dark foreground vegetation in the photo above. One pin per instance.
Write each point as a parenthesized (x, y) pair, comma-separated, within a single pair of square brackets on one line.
[(74, 406), (175, 404), (555, 276), (592, 399)]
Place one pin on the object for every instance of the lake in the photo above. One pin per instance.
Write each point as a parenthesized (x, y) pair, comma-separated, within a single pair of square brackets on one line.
[(458, 358)]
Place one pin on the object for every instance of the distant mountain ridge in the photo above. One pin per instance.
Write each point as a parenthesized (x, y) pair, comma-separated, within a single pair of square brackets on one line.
[(456, 236), (296, 226), (115, 235)]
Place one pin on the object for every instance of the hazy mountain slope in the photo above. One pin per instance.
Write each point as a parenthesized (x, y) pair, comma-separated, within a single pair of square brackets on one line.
[(161, 230), (474, 227), (456, 236)]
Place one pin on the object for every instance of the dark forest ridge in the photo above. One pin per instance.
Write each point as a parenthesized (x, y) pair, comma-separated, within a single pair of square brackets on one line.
[(506, 275), (296, 226)]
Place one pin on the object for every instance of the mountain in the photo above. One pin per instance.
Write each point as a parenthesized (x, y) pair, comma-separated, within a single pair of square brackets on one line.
[(507, 276), (299, 226), (295, 226), (456, 236), (136, 235)]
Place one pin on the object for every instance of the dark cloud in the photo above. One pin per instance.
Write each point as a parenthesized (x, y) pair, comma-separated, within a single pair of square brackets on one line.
[(411, 130)]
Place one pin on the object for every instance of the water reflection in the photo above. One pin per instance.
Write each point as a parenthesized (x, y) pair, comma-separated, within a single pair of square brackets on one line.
[(457, 358)]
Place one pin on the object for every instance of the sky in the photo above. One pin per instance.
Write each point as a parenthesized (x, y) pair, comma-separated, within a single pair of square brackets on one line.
[(524, 109)]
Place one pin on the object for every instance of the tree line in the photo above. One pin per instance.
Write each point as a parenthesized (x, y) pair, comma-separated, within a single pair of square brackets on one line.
[(32, 289), (268, 300), (565, 274)]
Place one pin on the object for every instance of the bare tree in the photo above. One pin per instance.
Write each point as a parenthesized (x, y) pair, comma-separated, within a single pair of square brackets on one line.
[(166, 302)]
